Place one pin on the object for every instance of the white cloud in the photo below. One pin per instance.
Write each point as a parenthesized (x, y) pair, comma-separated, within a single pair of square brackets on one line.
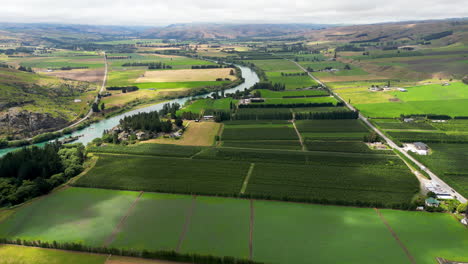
[(163, 12)]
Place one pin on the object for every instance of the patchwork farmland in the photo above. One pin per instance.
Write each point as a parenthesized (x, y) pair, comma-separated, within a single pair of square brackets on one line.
[(178, 222)]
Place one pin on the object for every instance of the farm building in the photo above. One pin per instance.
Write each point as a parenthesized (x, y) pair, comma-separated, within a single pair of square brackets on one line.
[(140, 135), (417, 147), (77, 101), (402, 89), (408, 120), (465, 220), (208, 117), (432, 202)]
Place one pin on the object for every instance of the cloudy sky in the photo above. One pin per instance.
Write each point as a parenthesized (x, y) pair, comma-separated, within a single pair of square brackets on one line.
[(163, 12)]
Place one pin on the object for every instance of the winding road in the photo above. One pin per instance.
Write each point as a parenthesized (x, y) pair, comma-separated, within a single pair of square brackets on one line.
[(434, 178), (96, 99)]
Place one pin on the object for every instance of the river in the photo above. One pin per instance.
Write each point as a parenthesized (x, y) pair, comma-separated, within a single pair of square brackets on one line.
[(95, 130)]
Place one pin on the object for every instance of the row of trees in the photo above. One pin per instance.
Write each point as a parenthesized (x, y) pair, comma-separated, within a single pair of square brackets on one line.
[(25, 69), (170, 109), (35, 171), (150, 65), (269, 86), (328, 115)]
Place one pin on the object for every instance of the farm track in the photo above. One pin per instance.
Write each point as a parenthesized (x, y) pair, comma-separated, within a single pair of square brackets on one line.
[(252, 221), (122, 222), (247, 178), (405, 249), (186, 226), (390, 142), (301, 140)]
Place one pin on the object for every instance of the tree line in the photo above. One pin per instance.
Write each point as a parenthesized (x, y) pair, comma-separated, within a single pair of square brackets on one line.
[(34, 171), (150, 65), (328, 115)]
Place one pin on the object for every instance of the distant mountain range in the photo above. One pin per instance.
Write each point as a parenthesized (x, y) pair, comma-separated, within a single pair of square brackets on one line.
[(203, 31)]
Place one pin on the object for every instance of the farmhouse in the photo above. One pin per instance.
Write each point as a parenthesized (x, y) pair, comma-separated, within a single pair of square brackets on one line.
[(417, 147), (77, 101), (431, 202)]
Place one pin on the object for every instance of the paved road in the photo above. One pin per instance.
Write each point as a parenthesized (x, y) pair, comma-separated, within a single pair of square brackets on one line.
[(96, 99), (434, 178)]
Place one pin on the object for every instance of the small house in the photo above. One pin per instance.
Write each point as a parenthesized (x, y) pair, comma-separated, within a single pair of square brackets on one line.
[(402, 89), (77, 101), (408, 120), (432, 202), (140, 135), (208, 117)]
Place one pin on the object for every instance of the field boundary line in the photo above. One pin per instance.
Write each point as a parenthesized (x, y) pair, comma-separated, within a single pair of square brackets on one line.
[(247, 178), (186, 226), (252, 218), (200, 152), (395, 236), (122, 222), (220, 132), (298, 135)]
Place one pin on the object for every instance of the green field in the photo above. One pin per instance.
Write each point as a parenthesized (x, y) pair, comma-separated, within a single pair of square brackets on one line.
[(10, 254), (275, 65), (149, 149), (427, 99), (263, 114), (296, 101), (291, 82), (74, 215), (219, 227), (300, 93), (322, 234), (428, 236), (155, 223), (332, 130), (385, 184), (338, 146), (264, 144), (208, 105), (259, 132), (160, 174)]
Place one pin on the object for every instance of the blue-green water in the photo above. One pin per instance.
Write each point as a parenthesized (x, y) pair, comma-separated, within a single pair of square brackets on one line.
[(95, 130)]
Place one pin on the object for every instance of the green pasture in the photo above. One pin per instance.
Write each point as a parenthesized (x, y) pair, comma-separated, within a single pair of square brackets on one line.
[(80, 215), (155, 223), (291, 82), (219, 227), (275, 65), (292, 101), (321, 234), (264, 93), (430, 235)]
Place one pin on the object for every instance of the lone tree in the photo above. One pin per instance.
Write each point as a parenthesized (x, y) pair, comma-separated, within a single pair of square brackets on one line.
[(103, 106), (95, 107)]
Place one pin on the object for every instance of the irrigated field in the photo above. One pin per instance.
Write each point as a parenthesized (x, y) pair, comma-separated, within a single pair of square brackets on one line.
[(332, 130), (149, 149), (233, 227), (74, 215), (165, 174), (300, 93)]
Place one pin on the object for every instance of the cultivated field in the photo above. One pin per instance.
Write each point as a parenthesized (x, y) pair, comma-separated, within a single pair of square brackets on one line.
[(165, 175), (201, 225), (188, 75)]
